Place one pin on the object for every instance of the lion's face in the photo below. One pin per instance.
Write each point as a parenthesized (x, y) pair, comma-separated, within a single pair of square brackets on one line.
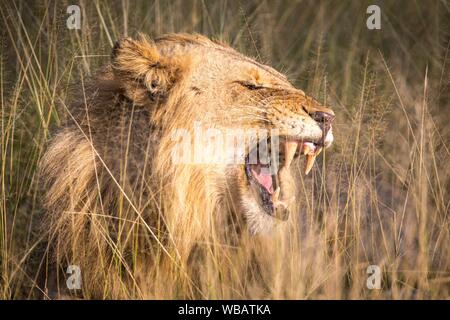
[(228, 91)]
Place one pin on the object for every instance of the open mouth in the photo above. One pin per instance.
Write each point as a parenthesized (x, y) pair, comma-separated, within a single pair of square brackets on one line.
[(269, 171)]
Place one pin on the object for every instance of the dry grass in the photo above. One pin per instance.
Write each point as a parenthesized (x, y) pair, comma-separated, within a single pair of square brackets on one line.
[(380, 195)]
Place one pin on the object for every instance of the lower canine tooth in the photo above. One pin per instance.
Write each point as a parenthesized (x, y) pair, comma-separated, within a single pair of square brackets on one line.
[(310, 158), (276, 195)]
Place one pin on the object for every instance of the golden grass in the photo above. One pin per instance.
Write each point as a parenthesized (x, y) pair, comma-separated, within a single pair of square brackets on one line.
[(380, 195)]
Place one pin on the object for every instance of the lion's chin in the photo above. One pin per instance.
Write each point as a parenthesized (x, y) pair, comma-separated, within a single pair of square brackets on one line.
[(258, 222)]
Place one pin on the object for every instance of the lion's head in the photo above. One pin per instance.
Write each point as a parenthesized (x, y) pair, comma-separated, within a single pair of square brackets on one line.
[(131, 147), (230, 93)]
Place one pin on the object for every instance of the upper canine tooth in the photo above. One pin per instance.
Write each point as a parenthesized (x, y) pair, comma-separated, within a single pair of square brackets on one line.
[(310, 158), (318, 151), (290, 147), (306, 149)]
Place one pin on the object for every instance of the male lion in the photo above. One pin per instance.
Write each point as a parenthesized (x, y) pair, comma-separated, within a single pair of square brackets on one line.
[(119, 204)]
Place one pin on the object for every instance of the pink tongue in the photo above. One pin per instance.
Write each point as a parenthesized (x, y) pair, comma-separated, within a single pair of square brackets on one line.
[(263, 176)]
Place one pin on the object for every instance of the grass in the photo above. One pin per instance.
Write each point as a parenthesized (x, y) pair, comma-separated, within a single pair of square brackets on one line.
[(380, 195)]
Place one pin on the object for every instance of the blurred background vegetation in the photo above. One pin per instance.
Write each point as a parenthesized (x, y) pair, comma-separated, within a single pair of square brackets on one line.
[(385, 197)]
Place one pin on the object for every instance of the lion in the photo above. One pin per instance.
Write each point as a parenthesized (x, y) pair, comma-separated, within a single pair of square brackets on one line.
[(119, 203)]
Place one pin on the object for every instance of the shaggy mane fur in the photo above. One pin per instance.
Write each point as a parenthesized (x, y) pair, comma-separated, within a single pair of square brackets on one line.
[(108, 175)]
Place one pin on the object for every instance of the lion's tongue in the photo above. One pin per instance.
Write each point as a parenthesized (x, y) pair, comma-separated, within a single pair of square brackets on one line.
[(262, 174)]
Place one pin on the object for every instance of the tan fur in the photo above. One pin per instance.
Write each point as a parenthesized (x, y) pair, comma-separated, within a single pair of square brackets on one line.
[(117, 205)]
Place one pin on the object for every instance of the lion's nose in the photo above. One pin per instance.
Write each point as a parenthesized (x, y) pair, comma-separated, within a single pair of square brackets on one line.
[(323, 117)]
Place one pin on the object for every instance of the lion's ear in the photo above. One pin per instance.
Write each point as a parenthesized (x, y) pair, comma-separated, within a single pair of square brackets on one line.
[(142, 70)]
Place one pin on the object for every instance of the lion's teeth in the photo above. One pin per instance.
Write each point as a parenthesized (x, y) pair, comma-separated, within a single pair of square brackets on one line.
[(310, 158), (318, 151), (290, 147), (276, 195)]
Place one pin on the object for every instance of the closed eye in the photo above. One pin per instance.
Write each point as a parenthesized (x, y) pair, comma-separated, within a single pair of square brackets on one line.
[(306, 111), (250, 85)]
